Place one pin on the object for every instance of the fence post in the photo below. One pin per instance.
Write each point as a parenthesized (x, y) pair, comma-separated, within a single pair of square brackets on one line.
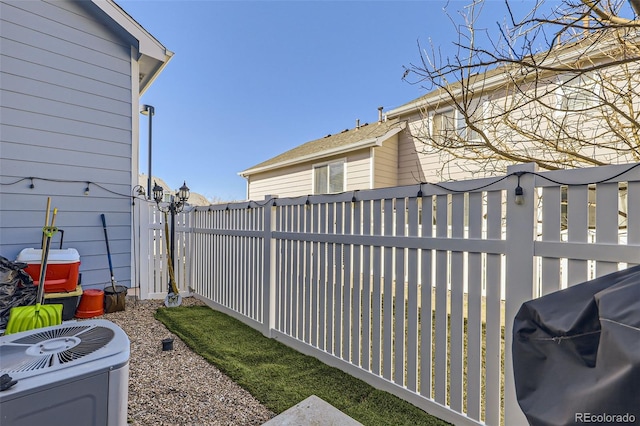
[(519, 280), (188, 247), (145, 250), (269, 271)]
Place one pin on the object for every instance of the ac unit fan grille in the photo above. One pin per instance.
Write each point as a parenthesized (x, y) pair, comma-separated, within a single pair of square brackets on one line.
[(45, 349), (41, 336)]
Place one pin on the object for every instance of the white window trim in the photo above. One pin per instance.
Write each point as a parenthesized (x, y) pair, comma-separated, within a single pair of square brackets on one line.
[(326, 163), (432, 118), (561, 94), (457, 119)]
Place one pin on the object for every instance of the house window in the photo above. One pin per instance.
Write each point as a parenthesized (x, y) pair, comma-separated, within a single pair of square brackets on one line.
[(444, 124), (328, 178), (451, 124), (465, 132), (578, 92)]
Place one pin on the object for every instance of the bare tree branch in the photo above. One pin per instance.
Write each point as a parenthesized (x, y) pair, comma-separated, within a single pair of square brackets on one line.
[(559, 86)]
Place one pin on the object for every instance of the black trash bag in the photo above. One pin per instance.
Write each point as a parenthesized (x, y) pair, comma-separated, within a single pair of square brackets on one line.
[(16, 288), (576, 353)]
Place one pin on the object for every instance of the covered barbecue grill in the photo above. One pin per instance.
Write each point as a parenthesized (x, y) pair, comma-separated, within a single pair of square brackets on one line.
[(576, 353)]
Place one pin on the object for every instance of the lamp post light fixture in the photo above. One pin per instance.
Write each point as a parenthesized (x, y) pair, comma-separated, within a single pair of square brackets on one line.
[(176, 205), (150, 111)]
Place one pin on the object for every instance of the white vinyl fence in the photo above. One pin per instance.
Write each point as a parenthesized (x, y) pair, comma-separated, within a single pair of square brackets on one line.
[(412, 289)]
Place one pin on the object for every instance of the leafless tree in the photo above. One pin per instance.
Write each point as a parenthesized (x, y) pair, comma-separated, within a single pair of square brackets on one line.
[(558, 86)]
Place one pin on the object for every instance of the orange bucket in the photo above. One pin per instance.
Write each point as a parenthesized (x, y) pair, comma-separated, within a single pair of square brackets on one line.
[(91, 304)]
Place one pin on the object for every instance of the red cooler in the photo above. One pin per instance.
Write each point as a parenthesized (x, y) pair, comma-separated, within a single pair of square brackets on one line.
[(63, 268)]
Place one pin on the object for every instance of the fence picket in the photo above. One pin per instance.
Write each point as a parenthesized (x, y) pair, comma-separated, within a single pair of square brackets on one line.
[(295, 282), (413, 295), (551, 227), (387, 296), (331, 279), (366, 288), (475, 280), (494, 324), (338, 281), (356, 276), (315, 266), (399, 312), (376, 303), (426, 303), (308, 262), (322, 291), (347, 308), (633, 216), (442, 306), (606, 222), (456, 362)]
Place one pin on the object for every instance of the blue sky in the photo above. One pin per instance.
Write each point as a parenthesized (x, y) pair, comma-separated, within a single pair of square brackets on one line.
[(252, 79)]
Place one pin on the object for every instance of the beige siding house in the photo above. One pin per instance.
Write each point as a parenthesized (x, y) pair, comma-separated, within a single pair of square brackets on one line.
[(365, 157), (581, 107), (568, 114)]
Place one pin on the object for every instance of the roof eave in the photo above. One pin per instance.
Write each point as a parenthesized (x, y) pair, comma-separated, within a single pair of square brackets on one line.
[(151, 50), (146, 82), (490, 83), (366, 143), (438, 96)]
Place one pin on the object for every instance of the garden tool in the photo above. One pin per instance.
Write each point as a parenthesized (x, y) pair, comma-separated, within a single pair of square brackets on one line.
[(114, 297), (173, 298), (23, 318)]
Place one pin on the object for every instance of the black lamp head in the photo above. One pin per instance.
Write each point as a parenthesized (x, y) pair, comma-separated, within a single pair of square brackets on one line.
[(158, 192)]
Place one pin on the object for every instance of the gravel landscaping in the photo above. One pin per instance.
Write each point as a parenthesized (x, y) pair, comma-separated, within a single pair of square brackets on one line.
[(178, 387)]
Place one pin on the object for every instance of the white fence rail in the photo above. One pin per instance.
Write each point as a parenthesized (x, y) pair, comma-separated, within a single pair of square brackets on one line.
[(412, 289)]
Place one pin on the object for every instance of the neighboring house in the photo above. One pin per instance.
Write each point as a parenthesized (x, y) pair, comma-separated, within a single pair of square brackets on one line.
[(409, 134), (195, 199), (365, 157), (584, 112), (71, 76)]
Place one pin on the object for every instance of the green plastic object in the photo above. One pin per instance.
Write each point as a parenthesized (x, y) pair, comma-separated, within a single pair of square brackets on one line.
[(23, 318)]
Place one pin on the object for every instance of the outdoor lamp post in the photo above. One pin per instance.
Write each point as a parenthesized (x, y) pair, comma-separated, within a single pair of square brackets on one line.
[(176, 205), (148, 110)]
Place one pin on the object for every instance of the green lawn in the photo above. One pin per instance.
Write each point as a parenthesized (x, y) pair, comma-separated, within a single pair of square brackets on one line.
[(279, 376)]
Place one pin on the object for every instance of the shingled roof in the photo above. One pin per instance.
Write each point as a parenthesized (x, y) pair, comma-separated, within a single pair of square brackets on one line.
[(348, 140)]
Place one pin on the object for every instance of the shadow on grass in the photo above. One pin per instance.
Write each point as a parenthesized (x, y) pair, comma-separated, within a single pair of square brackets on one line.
[(280, 377)]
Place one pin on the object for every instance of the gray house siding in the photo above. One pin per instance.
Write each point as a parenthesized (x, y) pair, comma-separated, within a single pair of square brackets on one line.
[(66, 93)]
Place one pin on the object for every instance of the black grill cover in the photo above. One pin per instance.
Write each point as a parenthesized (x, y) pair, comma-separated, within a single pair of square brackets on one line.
[(576, 353)]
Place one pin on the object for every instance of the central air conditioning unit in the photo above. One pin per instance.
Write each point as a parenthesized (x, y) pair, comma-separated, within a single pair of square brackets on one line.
[(71, 374)]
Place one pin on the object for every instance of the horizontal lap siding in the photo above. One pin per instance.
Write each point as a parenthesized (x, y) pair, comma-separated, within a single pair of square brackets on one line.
[(358, 171), (297, 180), (414, 165), (65, 117), (418, 163), (289, 182), (385, 168)]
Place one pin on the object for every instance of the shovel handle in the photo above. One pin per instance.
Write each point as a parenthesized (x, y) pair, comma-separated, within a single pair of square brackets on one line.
[(40, 292), (45, 257), (46, 223), (106, 240)]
